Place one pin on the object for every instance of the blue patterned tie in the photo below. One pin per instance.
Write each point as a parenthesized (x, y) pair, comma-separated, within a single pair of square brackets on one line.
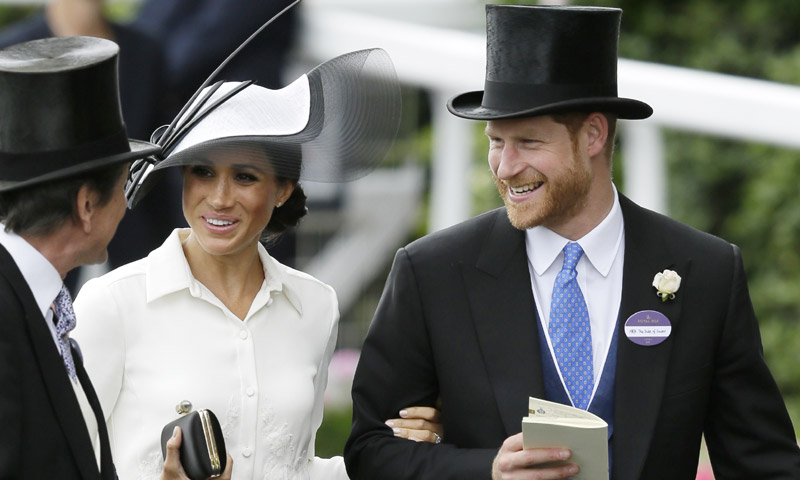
[(66, 322), (570, 331)]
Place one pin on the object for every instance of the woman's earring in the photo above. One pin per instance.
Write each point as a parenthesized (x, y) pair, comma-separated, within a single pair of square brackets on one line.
[(279, 205)]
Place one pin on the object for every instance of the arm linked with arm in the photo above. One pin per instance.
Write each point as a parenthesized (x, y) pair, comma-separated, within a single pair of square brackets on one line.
[(396, 369)]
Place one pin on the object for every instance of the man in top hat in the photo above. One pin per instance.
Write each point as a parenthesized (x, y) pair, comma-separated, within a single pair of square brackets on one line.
[(543, 298), (63, 156), (142, 79)]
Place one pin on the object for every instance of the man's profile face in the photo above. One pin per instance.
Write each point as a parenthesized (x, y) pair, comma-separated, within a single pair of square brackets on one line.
[(538, 169)]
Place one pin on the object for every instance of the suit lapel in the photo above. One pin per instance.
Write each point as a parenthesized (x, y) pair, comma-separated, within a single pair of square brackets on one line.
[(107, 470), (500, 294), (54, 375), (641, 370)]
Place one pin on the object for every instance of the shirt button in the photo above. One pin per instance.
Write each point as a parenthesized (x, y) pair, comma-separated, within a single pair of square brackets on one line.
[(247, 452), (250, 391), (243, 334)]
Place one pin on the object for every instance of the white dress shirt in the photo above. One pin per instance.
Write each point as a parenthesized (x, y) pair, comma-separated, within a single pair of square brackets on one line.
[(153, 336), (599, 277), (45, 283)]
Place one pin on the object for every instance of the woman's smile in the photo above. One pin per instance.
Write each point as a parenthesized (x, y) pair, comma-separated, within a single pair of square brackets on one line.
[(229, 206)]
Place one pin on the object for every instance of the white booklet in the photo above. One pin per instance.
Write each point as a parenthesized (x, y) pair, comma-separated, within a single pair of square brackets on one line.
[(551, 424)]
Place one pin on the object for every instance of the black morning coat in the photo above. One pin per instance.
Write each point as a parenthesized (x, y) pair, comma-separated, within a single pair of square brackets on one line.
[(42, 431), (456, 321)]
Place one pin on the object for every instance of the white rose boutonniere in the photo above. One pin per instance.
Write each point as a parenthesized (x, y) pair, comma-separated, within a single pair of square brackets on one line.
[(667, 283)]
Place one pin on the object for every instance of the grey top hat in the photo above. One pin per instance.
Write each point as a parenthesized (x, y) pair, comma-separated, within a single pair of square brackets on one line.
[(61, 112), (549, 59)]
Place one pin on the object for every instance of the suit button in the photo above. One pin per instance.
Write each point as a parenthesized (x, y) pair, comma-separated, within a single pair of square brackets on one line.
[(247, 452)]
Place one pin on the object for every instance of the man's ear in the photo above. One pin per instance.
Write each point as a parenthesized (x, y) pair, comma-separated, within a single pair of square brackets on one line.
[(596, 126), (85, 207)]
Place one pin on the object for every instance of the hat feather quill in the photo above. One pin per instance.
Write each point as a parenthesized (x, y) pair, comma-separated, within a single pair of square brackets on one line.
[(166, 136)]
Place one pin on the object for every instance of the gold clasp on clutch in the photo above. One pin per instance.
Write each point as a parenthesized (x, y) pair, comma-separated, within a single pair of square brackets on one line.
[(184, 407), (211, 443)]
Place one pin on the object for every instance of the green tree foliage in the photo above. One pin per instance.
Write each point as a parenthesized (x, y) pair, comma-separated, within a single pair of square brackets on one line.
[(10, 15)]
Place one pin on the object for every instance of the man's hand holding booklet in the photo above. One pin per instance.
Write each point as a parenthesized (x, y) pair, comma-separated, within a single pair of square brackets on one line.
[(550, 424)]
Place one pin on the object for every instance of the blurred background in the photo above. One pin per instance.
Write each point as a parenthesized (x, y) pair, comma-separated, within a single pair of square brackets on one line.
[(721, 152)]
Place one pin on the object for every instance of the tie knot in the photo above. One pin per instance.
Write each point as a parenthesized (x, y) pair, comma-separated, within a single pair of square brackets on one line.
[(572, 253), (64, 311), (63, 298)]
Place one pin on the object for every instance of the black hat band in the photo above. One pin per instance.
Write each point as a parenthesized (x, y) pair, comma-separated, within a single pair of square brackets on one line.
[(512, 96), (23, 166)]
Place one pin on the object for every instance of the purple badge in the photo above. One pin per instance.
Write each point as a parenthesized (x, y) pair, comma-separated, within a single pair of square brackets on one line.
[(647, 327)]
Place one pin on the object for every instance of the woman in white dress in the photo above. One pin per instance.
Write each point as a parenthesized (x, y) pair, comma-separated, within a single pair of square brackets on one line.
[(209, 320)]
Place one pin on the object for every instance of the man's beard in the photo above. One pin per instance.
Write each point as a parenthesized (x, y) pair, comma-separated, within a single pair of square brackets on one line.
[(564, 195)]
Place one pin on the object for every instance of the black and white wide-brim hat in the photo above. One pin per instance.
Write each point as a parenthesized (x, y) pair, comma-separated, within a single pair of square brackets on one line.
[(334, 124)]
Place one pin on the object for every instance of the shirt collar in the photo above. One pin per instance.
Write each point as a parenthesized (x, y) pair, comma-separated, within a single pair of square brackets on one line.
[(169, 272), (277, 280), (40, 275), (595, 244)]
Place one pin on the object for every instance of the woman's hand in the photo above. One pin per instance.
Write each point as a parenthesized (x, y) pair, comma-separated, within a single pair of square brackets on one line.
[(173, 470), (421, 424)]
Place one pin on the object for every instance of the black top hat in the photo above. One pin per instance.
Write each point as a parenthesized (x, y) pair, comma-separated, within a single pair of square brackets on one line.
[(61, 115), (544, 59)]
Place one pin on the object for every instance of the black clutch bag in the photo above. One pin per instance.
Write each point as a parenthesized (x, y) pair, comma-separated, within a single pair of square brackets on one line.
[(202, 448)]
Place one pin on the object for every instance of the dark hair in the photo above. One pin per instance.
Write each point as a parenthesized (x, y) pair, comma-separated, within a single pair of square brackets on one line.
[(41, 209), (290, 213)]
